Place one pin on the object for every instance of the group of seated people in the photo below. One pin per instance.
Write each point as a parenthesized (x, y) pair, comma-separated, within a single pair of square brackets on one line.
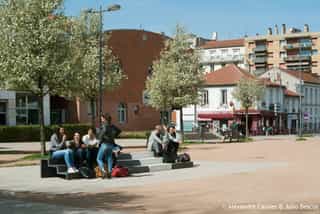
[(164, 142), (90, 150)]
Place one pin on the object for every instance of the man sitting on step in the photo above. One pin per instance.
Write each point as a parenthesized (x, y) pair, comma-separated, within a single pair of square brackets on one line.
[(155, 141)]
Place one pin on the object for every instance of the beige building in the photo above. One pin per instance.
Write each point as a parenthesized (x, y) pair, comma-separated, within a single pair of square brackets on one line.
[(292, 49)]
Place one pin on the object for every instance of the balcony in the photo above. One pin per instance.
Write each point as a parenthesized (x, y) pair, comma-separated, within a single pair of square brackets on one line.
[(297, 58), (261, 48), (223, 59), (260, 60), (303, 45)]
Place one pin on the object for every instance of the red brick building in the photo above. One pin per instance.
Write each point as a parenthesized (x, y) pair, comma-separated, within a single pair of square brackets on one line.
[(136, 50)]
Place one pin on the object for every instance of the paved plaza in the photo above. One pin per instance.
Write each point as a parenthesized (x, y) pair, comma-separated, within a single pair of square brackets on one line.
[(263, 176)]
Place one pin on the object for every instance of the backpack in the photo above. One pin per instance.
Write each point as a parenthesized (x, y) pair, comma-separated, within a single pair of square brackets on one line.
[(119, 171), (185, 157)]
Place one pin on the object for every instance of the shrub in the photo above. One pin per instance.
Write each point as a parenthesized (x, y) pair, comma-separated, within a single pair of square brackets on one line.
[(31, 133), (135, 134)]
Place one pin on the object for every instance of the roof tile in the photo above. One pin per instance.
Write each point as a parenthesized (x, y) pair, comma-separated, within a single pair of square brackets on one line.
[(223, 44)]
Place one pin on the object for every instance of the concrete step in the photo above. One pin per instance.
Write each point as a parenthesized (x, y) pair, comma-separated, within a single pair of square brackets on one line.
[(139, 162), (135, 155), (149, 168), (159, 167)]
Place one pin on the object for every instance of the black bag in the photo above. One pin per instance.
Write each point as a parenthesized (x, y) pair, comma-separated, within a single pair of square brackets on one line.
[(87, 172), (185, 157)]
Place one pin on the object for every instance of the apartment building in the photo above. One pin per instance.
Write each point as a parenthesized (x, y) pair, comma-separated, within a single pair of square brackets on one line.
[(292, 49), (215, 54)]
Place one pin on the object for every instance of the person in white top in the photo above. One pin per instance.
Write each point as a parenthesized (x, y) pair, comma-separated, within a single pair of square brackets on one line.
[(92, 146)]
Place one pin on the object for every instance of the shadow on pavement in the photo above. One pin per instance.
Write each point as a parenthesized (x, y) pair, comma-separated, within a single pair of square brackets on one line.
[(107, 201)]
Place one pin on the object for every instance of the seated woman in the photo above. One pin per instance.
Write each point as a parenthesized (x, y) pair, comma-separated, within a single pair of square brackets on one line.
[(92, 144), (172, 141), (79, 148), (58, 150)]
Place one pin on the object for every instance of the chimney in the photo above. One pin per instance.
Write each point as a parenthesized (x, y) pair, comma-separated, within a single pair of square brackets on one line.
[(269, 31), (306, 28), (276, 29), (284, 29), (214, 36)]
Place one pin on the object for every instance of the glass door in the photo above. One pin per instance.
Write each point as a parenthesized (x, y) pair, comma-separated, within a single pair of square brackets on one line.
[(3, 113)]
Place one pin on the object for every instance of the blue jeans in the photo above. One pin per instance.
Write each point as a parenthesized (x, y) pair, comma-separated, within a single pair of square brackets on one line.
[(105, 155), (80, 156), (66, 154)]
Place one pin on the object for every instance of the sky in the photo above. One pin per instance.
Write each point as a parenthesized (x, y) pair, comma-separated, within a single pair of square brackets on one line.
[(230, 18)]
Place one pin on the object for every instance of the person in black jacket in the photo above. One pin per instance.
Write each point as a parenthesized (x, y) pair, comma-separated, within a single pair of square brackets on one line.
[(172, 140), (108, 132)]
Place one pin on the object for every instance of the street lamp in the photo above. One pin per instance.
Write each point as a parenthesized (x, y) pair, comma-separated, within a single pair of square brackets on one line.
[(111, 8), (301, 118)]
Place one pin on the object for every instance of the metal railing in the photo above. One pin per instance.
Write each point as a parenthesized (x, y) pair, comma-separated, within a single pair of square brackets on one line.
[(220, 58), (260, 48), (298, 45), (297, 58)]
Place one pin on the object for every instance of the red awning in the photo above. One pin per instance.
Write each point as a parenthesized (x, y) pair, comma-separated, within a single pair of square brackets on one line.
[(216, 115), (255, 112)]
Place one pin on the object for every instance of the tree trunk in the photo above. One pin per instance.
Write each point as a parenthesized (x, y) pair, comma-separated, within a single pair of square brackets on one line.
[(93, 113), (247, 123), (41, 121), (181, 125)]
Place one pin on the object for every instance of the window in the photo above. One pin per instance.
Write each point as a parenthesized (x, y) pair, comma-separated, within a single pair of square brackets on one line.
[(305, 52), (122, 113), (150, 71), (283, 55), (283, 43), (92, 109), (27, 109), (212, 52), (224, 97), (236, 50), (251, 56), (315, 52), (145, 98), (224, 51), (204, 98), (3, 113), (306, 94)]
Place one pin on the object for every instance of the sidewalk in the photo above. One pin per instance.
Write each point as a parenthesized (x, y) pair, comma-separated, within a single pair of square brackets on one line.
[(31, 147), (31, 181)]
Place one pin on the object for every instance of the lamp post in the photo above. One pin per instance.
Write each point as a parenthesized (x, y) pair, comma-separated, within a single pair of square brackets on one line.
[(101, 11), (300, 96)]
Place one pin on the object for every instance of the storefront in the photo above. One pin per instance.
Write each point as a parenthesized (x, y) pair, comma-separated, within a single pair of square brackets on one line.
[(257, 120)]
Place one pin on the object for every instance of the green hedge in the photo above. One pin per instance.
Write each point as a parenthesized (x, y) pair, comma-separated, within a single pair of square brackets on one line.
[(135, 134), (32, 132)]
